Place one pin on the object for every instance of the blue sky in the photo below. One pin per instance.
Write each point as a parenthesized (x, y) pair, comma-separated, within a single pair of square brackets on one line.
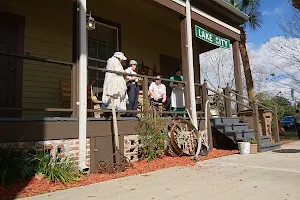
[(273, 12)]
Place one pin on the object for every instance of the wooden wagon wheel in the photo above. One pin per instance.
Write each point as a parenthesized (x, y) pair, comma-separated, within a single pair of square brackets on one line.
[(184, 137)]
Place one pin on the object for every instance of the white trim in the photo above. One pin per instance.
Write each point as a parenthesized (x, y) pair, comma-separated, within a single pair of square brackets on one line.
[(207, 16), (82, 104), (189, 39)]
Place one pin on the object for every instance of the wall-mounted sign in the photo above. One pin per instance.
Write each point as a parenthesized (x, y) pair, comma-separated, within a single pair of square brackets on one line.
[(211, 38)]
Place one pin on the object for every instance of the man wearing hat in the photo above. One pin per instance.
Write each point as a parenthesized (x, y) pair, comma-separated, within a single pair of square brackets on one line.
[(158, 93), (114, 84), (133, 88)]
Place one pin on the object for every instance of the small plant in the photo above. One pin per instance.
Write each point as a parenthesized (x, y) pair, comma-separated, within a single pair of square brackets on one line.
[(151, 129), (56, 167), (251, 140)]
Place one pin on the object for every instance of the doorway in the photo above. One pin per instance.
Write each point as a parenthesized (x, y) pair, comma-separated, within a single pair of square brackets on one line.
[(11, 68), (168, 67)]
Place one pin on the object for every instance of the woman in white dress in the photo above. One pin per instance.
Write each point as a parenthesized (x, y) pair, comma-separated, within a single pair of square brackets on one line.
[(177, 96), (114, 84)]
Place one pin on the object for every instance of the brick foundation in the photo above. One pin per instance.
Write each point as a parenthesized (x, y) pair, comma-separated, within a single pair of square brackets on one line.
[(131, 146), (69, 147)]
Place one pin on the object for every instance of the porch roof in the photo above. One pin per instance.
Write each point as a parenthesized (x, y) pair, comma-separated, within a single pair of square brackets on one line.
[(224, 4), (217, 16), (222, 10)]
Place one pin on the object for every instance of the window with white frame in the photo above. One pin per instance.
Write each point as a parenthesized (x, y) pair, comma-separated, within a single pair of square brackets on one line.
[(102, 43)]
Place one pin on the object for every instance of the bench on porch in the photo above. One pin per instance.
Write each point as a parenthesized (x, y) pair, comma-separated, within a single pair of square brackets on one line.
[(92, 101)]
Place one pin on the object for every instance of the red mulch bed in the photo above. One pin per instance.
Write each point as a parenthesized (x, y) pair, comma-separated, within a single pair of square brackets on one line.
[(35, 187)]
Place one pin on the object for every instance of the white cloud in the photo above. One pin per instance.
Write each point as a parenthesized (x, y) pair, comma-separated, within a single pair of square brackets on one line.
[(274, 57), (266, 12), (276, 11), (264, 62)]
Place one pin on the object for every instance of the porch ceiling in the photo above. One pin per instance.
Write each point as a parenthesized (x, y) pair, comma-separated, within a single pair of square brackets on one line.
[(147, 10)]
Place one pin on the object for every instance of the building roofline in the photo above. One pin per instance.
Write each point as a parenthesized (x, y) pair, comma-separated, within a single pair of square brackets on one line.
[(234, 10)]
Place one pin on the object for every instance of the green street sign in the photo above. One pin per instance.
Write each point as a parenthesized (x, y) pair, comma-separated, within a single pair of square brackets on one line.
[(211, 38)]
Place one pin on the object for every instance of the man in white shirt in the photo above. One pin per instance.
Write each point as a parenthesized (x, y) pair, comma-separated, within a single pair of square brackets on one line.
[(133, 88), (158, 93)]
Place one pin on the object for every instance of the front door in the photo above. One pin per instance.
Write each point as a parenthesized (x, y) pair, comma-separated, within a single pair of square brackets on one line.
[(11, 42), (168, 67)]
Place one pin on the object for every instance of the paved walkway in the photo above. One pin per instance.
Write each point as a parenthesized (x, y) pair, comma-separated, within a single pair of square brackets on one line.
[(268, 176)]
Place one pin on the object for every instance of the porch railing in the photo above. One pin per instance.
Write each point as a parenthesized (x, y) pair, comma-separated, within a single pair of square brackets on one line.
[(74, 82), (145, 88), (202, 92), (42, 60)]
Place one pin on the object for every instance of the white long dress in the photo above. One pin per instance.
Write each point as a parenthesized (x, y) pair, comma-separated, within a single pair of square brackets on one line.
[(114, 84), (177, 95)]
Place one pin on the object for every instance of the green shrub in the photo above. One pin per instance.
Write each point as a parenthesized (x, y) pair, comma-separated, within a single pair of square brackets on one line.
[(151, 129), (56, 167), (14, 165)]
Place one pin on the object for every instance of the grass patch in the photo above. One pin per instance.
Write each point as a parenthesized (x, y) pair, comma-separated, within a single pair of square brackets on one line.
[(289, 135)]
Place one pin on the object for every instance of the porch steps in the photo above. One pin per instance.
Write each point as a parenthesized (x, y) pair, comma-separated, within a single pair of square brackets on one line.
[(233, 128), (266, 145), (236, 131)]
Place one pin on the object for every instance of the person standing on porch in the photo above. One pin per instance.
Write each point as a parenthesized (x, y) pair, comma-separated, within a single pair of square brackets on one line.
[(114, 84), (133, 88), (158, 93), (177, 95)]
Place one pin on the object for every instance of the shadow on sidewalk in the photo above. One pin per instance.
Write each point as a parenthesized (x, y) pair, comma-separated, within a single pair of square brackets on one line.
[(287, 151)]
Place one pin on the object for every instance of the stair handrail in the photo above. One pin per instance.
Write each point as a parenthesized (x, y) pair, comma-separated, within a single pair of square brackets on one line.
[(216, 92), (259, 104), (239, 95), (254, 107)]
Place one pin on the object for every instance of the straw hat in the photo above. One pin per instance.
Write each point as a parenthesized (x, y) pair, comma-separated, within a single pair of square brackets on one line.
[(120, 55), (132, 62)]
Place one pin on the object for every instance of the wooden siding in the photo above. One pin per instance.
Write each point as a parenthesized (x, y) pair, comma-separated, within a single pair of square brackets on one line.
[(48, 34), (146, 32)]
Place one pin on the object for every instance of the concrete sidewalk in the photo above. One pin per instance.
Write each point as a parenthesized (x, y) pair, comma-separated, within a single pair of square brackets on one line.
[(268, 176)]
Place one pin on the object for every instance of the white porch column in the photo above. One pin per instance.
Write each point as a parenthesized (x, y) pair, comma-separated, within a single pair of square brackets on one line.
[(82, 84), (191, 64)]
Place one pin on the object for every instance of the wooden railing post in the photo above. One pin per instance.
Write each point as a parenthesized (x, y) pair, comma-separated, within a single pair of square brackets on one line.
[(276, 126), (205, 98), (227, 102), (256, 123), (204, 95), (239, 99), (145, 87)]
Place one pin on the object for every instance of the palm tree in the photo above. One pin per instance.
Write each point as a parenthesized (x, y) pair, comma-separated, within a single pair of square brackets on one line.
[(249, 7), (296, 4)]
